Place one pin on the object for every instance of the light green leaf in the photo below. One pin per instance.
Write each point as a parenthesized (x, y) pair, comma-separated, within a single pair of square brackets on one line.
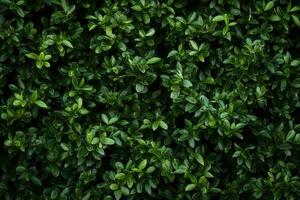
[(275, 18), (67, 43), (190, 187), (296, 20), (142, 165), (187, 83), (163, 125), (20, 12), (46, 64), (150, 32), (143, 2), (139, 88), (125, 190), (113, 120), (295, 63), (118, 194), (295, 9), (137, 8), (95, 140), (199, 159), (104, 118), (150, 170), (194, 45), (47, 57), (65, 5), (129, 181), (83, 111), (39, 64), (89, 136), (269, 6), (155, 125), (64, 146), (108, 141), (113, 186), (32, 56), (120, 176), (41, 104), (153, 60), (218, 18)]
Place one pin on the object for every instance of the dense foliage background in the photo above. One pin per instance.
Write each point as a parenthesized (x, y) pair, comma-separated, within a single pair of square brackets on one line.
[(149, 99)]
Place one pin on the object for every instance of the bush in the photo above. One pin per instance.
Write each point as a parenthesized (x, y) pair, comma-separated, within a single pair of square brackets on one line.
[(148, 99)]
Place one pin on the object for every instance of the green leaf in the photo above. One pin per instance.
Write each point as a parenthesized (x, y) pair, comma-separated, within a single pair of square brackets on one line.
[(83, 111), (143, 2), (108, 141), (87, 196), (275, 18), (113, 120), (118, 194), (67, 43), (114, 186), (120, 176), (104, 118), (190, 187), (187, 83), (296, 20), (125, 190), (218, 18), (129, 181), (20, 12), (139, 88), (191, 100), (163, 125), (153, 60), (47, 57), (295, 63), (136, 8), (39, 64), (36, 180), (199, 159), (64, 146), (295, 9), (209, 80), (20, 169), (150, 170), (65, 5), (46, 64), (142, 165), (240, 125), (41, 104), (89, 136), (291, 134), (296, 83), (269, 6), (148, 189), (172, 53), (151, 32), (155, 125), (108, 31), (271, 68), (194, 45), (95, 140), (42, 56), (32, 56)]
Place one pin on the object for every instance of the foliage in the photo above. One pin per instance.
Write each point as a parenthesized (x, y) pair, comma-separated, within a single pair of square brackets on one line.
[(149, 99)]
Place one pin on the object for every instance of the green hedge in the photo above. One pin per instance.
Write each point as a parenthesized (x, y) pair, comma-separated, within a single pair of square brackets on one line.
[(149, 99)]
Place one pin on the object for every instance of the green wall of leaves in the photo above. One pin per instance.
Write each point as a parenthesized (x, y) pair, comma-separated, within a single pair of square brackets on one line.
[(149, 99)]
